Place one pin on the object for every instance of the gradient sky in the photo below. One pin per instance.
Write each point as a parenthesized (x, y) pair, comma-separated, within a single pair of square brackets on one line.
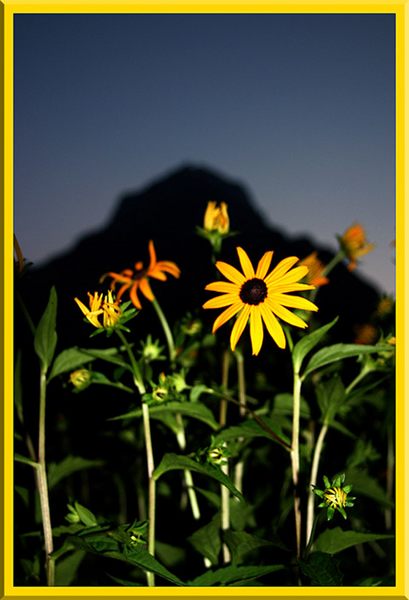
[(298, 108)]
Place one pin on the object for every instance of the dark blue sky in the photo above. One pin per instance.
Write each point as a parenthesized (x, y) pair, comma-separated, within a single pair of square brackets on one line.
[(299, 108)]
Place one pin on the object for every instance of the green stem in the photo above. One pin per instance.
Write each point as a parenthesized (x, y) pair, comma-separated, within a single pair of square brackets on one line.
[(181, 438), (241, 380), (224, 492), (295, 458), (152, 488), (42, 482), (313, 479), (166, 331), (137, 377)]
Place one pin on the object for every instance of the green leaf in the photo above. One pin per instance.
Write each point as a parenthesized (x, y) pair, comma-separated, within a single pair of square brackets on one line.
[(69, 360), (283, 405), (68, 466), (330, 397), (252, 429), (194, 410), (86, 516), (240, 543), (337, 352), (307, 343), (207, 540), (18, 393), (335, 540), (140, 557), (26, 461), (110, 355), (45, 338), (171, 462), (66, 568), (321, 569), (233, 575)]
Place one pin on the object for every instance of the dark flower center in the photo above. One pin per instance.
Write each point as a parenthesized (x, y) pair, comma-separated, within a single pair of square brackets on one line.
[(253, 291)]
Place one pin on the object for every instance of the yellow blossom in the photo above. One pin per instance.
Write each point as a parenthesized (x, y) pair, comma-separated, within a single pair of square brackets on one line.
[(259, 298), (216, 217)]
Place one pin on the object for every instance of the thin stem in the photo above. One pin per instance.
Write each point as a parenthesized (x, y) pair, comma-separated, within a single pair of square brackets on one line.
[(181, 438), (390, 462), (42, 482), (295, 458), (137, 377), (313, 479), (152, 488), (224, 492), (166, 330), (241, 379)]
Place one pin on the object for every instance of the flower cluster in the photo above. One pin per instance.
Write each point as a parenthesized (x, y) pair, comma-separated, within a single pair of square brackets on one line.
[(105, 313)]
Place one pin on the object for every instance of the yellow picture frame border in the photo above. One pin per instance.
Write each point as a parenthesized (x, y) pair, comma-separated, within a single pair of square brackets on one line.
[(9, 8)]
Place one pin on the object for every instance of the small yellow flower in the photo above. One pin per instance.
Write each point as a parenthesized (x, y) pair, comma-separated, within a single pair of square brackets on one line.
[(138, 279), (354, 244), (216, 217), (258, 297), (385, 307), (316, 269), (100, 305)]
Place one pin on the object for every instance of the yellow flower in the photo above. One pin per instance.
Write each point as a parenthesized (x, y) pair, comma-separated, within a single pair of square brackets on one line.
[(80, 378), (101, 305), (216, 217), (354, 244), (315, 270), (259, 297), (138, 279)]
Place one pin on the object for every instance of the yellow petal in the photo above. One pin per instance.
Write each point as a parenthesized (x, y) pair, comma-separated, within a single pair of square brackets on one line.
[(275, 288), (239, 326), (223, 286), (226, 315), (82, 306), (230, 272), (264, 264), (292, 276), (273, 326), (256, 329), (282, 268), (292, 301), (285, 314), (221, 301), (245, 262)]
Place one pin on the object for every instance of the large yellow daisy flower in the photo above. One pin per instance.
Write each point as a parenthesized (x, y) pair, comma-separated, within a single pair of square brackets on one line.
[(258, 297)]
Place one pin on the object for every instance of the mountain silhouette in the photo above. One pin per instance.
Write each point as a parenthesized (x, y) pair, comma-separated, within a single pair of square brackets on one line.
[(168, 212)]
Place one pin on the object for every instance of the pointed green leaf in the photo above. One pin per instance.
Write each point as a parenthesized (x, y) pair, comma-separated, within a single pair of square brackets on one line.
[(337, 352), (171, 462), (45, 338), (240, 543), (68, 466), (335, 540), (365, 485), (307, 343), (140, 557), (234, 575), (207, 540), (252, 429)]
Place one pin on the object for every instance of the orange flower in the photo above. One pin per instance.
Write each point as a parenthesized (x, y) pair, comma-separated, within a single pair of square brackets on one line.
[(354, 244), (316, 269), (366, 334), (138, 279)]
